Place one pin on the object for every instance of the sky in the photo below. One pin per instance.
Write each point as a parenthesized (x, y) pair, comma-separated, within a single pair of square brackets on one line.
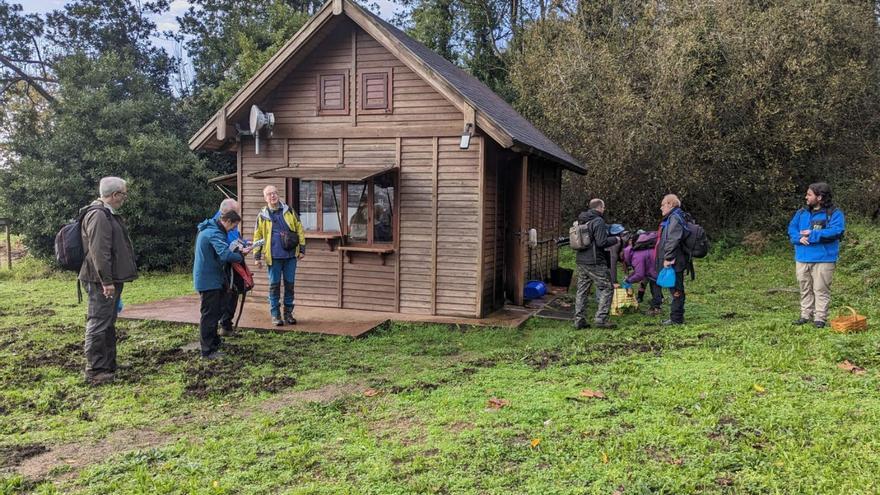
[(168, 21)]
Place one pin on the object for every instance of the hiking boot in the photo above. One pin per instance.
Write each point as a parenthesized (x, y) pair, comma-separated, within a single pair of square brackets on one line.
[(289, 319), (819, 324), (605, 324), (670, 322), (214, 355), (581, 325), (225, 330), (278, 322), (653, 312), (99, 379), (801, 321)]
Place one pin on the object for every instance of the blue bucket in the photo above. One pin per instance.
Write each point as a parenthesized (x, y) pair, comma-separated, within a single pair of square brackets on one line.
[(534, 289)]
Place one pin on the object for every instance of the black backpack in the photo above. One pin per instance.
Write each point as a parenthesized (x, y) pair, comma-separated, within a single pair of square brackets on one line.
[(695, 243), (69, 250)]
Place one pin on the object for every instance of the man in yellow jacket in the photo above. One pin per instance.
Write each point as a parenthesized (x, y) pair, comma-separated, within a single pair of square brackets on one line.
[(285, 243)]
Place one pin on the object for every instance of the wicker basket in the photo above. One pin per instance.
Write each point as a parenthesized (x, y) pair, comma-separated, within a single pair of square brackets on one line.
[(850, 323), (622, 301)]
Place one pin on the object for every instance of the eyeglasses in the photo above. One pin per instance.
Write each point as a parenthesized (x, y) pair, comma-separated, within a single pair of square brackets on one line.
[(123, 193)]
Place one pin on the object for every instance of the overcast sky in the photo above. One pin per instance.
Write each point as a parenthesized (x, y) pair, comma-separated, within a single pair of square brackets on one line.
[(168, 21)]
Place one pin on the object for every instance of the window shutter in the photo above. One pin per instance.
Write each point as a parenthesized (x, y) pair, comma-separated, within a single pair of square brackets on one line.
[(376, 91), (332, 93)]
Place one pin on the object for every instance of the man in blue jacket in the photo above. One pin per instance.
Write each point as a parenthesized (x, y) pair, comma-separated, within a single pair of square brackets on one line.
[(211, 276), (230, 297), (815, 231)]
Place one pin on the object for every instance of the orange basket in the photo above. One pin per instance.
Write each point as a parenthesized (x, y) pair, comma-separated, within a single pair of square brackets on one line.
[(850, 323)]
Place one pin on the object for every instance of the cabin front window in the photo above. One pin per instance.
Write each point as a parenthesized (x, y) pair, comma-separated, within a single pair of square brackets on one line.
[(331, 200), (358, 213), (308, 205), (383, 209), (368, 209)]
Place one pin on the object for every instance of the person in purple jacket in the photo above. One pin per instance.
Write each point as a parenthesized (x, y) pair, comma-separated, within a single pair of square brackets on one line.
[(639, 255)]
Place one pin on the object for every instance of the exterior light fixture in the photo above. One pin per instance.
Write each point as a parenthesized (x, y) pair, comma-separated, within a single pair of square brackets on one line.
[(466, 136)]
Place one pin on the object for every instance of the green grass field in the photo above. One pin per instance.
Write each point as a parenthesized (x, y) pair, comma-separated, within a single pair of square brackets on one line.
[(736, 401)]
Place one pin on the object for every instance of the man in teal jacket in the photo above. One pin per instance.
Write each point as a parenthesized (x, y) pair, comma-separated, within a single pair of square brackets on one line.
[(211, 276), (815, 232)]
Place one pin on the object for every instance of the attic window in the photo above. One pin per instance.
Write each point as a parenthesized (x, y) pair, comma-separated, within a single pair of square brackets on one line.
[(333, 93), (375, 91)]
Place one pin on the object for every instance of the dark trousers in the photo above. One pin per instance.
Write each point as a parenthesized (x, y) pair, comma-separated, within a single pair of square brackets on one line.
[(230, 304), (100, 346), (656, 293), (676, 313), (212, 308)]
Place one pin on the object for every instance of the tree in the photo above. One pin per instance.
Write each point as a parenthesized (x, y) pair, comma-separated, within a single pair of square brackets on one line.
[(734, 105), (112, 114), (24, 70)]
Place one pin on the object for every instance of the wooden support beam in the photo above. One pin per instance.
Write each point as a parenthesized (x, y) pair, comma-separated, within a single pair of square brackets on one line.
[(470, 118), (221, 124), (353, 82), (8, 248), (434, 200), (307, 131), (481, 234)]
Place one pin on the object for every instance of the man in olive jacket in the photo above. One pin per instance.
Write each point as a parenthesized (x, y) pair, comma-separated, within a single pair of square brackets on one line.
[(108, 264), (592, 268)]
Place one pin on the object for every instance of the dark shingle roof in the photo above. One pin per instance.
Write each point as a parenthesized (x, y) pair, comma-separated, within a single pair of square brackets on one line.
[(484, 99)]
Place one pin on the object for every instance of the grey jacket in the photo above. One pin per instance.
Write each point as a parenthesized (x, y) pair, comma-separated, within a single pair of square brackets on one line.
[(671, 236), (109, 256)]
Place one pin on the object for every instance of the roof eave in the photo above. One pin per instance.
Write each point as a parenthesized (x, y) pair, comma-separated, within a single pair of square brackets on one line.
[(566, 164), (203, 137)]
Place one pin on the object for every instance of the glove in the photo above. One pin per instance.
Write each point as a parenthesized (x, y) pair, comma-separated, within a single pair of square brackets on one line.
[(626, 285)]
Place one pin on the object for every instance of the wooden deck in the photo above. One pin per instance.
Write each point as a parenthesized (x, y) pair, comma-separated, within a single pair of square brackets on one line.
[(331, 321)]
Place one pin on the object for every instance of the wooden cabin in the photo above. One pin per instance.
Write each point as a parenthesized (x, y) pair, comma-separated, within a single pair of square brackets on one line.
[(368, 146)]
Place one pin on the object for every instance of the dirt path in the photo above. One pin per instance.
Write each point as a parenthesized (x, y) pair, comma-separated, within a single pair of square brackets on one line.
[(81, 454)]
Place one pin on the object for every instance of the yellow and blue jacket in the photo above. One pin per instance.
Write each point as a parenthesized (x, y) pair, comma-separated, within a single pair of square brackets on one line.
[(263, 230)]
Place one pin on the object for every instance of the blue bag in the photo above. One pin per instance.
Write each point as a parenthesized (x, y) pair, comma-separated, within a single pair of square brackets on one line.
[(666, 277)]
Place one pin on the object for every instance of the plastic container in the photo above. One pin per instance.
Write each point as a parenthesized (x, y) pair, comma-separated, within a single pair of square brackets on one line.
[(561, 277), (534, 289)]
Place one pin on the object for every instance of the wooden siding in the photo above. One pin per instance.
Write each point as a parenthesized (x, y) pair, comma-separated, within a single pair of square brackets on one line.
[(367, 283), (416, 225), (457, 220), (413, 102)]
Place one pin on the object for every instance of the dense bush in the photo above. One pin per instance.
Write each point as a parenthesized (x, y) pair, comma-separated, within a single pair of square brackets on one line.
[(736, 106)]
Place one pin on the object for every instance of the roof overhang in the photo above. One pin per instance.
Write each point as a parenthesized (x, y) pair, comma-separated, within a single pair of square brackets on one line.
[(339, 174), (226, 180)]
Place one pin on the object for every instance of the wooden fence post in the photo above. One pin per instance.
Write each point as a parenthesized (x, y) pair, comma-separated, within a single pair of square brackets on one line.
[(5, 222)]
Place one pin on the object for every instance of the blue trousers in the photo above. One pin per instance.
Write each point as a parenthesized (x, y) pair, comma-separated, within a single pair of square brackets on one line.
[(281, 269)]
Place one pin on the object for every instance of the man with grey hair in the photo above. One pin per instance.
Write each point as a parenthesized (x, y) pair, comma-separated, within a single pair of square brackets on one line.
[(107, 265), (229, 301), (670, 252), (592, 268)]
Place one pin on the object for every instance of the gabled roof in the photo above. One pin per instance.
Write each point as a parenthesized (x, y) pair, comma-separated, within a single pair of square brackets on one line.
[(491, 113)]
